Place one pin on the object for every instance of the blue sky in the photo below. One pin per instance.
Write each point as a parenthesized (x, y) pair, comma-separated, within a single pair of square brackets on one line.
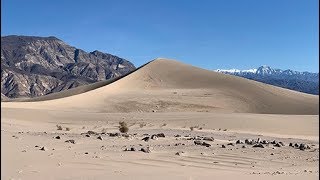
[(209, 33)]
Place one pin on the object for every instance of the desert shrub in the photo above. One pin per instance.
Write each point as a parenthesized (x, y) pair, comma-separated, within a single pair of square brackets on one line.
[(123, 128), (59, 127), (142, 125)]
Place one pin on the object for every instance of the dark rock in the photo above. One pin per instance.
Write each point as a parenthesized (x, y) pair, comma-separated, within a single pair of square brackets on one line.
[(154, 137), (277, 145), (70, 141), (239, 142), (208, 139), (113, 134), (258, 145), (161, 135), (145, 150), (180, 153), (177, 135), (92, 133), (205, 144), (223, 146), (44, 149), (146, 139), (99, 137), (303, 147), (230, 144), (87, 135), (57, 137), (248, 141), (197, 142)]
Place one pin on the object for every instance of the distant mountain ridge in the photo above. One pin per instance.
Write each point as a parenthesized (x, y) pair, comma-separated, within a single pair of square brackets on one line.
[(35, 66), (306, 82)]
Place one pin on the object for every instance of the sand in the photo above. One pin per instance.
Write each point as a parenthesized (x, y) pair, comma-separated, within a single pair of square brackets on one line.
[(164, 96)]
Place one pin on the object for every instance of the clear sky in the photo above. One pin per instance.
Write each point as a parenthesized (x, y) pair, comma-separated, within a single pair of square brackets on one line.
[(208, 33)]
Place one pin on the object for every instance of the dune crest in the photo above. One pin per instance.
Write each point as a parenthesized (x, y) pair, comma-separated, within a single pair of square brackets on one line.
[(170, 86)]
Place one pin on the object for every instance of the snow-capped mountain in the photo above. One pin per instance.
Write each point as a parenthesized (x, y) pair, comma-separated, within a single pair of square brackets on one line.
[(300, 81)]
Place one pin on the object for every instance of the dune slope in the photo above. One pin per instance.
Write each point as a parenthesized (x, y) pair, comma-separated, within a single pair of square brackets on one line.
[(169, 86)]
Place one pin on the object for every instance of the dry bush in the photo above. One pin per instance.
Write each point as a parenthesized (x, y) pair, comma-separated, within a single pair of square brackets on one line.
[(59, 127), (142, 125), (123, 128)]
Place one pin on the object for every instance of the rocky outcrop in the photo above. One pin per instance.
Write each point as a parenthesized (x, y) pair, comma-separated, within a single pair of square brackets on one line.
[(36, 66)]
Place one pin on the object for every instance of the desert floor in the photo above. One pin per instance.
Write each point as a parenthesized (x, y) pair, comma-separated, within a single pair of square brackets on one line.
[(24, 135)]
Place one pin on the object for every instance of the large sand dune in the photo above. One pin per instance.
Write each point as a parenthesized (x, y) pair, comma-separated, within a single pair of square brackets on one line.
[(170, 86), (164, 96)]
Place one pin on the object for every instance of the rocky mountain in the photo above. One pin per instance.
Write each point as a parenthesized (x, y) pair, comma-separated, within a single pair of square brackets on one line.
[(35, 66), (306, 82)]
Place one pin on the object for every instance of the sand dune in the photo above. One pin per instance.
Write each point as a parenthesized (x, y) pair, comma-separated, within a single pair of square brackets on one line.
[(164, 96), (170, 86)]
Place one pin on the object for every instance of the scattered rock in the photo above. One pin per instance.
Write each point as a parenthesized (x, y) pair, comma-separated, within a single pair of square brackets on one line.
[(36, 146), (145, 150), (44, 149), (223, 146), (113, 134), (57, 137), (290, 144), (99, 137), (281, 143), (197, 142), (154, 137), (70, 141), (271, 154), (277, 145), (146, 139), (302, 147), (208, 139), (258, 140), (230, 144), (161, 135), (265, 142), (248, 141), (205, 144), (243, 146), (130, 149), (239, 142), (92, 133), (258, 145), (177, 135), (180, 153), (86, 153), (87, 135)]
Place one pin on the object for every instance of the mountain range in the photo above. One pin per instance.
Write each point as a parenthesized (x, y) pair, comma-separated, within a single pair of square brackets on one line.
[(306, 82), (35, 66)]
